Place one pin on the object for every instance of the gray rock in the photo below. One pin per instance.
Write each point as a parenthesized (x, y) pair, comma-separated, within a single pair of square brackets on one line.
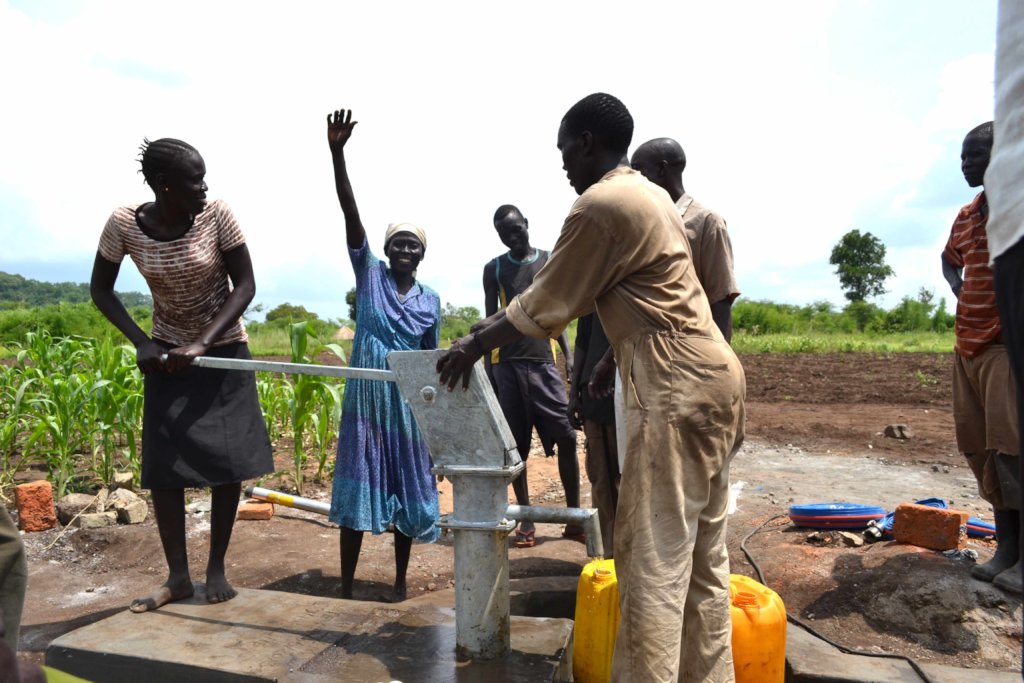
[(133, 513), (122, 480), (851, 539), (818, 538), (899, 431), (120, 498), (71, 504), (97, 520), (101, 500), (130, 508)]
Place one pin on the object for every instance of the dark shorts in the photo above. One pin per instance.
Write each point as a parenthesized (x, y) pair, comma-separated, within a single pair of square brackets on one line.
[(532, 394), (204, 427)]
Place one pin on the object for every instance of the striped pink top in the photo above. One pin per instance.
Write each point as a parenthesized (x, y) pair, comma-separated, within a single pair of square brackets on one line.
[(187, 276)]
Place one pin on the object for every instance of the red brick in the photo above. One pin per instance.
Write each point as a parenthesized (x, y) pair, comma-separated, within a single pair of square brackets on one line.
[(35, 506), (256, 511), (930, 527)]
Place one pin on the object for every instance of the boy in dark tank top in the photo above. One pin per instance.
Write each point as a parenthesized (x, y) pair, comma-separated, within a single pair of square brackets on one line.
[(529, 386)]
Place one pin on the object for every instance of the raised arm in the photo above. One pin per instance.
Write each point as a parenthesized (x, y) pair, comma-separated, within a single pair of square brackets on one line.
[(339, 130), (101, 287)]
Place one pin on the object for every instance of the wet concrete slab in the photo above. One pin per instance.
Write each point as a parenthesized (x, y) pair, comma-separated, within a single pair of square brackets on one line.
[(263, 636), (810, 660)]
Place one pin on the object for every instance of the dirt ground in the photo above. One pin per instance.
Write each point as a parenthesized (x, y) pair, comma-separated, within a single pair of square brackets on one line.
[(814, 435)]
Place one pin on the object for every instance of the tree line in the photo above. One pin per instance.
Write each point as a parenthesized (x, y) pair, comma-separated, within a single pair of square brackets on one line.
[(17, 292), (65, 309)]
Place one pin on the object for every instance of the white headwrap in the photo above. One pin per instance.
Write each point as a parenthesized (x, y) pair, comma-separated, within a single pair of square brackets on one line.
[(415, 230)]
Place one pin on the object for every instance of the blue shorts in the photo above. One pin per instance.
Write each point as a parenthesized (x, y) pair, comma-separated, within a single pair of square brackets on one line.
[(532, 394)]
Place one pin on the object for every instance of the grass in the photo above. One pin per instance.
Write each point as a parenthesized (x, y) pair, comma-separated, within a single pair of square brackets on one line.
[(898, 342), (275, 342), (270, 341)]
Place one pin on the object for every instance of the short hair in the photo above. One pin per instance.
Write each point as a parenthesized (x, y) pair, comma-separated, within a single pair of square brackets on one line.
[(984, 132), (507, 210), (162, 156), (605, 116), (664, 149)]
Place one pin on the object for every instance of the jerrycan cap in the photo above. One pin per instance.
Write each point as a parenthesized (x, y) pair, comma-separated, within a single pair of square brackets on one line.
[(743, 599)]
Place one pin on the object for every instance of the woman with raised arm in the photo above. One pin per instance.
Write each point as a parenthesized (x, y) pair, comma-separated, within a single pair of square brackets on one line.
[(200, 427), (382, 477)]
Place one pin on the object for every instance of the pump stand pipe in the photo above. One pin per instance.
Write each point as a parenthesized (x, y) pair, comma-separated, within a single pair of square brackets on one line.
[(297, 502), (587, 517)]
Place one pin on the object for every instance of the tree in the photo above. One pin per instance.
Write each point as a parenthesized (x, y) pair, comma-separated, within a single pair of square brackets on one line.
[(350, 299), (456, 321), (860, 264), (15, 289), (289, 313)]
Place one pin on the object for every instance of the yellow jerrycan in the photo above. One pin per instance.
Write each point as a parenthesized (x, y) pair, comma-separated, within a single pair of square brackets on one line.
[(597, 622), (758, 631), (758, 627)]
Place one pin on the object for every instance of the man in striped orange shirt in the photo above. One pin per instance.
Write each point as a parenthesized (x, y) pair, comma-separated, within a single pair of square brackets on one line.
[(984, 400)]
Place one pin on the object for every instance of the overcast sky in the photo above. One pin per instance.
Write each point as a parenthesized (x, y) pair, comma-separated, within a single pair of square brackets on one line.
[(801, 121)]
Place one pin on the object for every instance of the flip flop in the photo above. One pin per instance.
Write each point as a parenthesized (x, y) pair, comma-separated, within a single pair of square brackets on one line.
[(526, 539), (580, 537)]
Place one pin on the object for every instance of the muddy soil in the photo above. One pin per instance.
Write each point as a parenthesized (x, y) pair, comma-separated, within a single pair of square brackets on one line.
[(815, 427)]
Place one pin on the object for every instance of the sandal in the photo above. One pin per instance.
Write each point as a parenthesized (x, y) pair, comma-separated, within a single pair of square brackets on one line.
[(578, 536), (526, 539)]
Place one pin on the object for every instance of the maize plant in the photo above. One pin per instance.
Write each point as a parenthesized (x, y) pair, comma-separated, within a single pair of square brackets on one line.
[(308, 394), (12, 422), (116, 408), (61, 429), (325, 426), (64, 399), (274, 393)]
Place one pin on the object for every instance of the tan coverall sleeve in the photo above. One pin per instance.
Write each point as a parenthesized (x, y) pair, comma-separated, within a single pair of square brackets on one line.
[(583, 265), (716, 264)]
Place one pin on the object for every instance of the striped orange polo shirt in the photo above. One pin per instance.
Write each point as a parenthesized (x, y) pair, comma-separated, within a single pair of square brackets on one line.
[(977, 318)]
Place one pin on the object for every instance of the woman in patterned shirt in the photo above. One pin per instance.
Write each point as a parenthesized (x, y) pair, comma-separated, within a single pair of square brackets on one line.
[(201, 427)]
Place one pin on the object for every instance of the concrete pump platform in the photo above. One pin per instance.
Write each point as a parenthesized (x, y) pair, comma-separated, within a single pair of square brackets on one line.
[(273, 636)]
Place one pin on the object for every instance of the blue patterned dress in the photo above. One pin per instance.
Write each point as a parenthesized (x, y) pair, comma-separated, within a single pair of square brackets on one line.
[(383, 473)]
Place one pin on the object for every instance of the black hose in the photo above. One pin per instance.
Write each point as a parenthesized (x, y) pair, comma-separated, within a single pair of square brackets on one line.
[(805, 626)]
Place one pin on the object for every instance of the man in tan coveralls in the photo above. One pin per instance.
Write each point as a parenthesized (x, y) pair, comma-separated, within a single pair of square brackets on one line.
[(623, 249), (662, 161)]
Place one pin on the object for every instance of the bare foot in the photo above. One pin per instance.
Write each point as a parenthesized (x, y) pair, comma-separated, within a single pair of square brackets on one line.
[(169, 592), (218, 589)]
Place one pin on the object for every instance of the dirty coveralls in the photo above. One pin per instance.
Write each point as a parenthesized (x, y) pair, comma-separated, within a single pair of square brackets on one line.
[(623, 249)]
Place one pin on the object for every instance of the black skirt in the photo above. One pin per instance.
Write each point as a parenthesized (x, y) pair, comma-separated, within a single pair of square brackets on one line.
[(204, 427)]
